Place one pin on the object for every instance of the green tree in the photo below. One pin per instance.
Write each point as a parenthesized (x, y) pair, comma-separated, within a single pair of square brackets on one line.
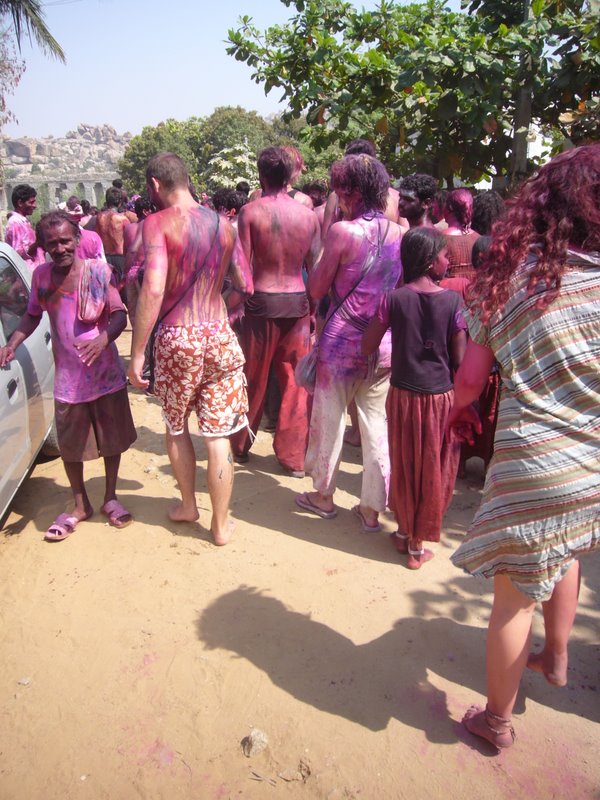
[(11, 70), (224, 135), (171, 135), (226, 127), (230, 166), (27, 15), (435, 89)]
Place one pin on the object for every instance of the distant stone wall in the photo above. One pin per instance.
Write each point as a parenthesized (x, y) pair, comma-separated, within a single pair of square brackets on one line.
[(84, 162), (52, 192)]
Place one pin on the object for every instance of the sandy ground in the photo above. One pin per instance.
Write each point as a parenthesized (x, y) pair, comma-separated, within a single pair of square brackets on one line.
[(134, 662)]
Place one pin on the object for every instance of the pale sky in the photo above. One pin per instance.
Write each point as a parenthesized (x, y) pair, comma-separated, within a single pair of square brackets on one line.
[(132, 63)]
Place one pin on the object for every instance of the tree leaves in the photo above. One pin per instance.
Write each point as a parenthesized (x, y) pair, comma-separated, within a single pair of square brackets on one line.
[(436, 75)]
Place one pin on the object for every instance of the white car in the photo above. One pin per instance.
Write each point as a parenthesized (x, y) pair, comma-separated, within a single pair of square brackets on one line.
[(26, 384)]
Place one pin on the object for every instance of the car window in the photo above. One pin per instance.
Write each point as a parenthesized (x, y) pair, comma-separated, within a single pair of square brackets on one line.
[(14, 296)]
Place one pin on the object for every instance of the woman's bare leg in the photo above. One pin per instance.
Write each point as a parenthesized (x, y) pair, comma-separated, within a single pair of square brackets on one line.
[(559, 615), (507, 648)]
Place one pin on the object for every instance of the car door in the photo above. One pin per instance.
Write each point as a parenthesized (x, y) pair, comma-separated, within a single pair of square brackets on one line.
[(26, 384), (15, 441)]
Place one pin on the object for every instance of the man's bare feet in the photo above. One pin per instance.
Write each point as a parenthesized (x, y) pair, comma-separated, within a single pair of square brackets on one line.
[(494, 729), (221, 538), (181, 513), (552, 665)]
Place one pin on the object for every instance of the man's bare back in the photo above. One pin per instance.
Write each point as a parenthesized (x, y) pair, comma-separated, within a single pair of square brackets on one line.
[(133, 244), (177, 243), (109, 226), (278, 235)]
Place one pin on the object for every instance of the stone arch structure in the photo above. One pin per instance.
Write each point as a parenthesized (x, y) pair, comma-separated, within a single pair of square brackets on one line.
[(99, 193), (52, 191), (60, 192)]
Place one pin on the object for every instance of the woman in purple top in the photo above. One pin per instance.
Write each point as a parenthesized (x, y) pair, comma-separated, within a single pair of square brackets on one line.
[(428, 343), (360, 262)]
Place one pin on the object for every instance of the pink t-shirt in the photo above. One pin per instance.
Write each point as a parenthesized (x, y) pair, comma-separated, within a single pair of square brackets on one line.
[(74, 381), (20, 235)]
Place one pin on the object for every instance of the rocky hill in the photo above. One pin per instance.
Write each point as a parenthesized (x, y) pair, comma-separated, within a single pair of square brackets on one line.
[(88, 151)]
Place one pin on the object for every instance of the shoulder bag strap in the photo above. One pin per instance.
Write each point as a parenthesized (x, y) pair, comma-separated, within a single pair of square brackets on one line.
[(366, 267), (194, 276)]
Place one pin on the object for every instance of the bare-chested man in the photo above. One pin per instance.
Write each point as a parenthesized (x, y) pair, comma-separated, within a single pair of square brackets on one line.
[(298, 167), (333, 212), (278, 236), (109, 226), (133, 250), (188, 251)]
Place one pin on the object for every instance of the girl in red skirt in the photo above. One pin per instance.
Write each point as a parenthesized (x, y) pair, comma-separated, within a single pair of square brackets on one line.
[(428, 342)]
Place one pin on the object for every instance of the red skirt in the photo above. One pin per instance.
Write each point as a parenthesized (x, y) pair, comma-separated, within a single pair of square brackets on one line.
[(423, 463)]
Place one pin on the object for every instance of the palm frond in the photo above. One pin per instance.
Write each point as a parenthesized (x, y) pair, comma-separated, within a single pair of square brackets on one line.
[(27, 15)]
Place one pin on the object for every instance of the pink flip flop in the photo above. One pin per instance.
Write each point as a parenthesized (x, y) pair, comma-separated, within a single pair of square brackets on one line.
[(365, 526), (117, 514), (62, 527), (305, 503)]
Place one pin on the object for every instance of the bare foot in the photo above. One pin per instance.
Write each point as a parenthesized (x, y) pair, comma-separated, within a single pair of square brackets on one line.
[(400, 540), (179, 513), (416, 558), (352, 437), (223, 537), (317, 500), (552, 665), (83, 512), (495, 730)]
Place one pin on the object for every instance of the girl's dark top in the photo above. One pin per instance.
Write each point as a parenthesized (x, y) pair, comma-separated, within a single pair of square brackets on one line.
[(423, 325)]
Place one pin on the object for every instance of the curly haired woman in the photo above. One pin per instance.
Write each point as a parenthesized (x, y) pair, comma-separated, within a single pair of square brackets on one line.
[(536, 309), (360, 262)]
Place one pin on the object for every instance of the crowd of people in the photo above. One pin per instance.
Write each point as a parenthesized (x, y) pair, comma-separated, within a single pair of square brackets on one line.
[(446, 323)]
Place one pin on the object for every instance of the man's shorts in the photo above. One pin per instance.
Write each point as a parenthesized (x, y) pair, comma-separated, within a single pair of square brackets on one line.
[(99, 428), (201, 367)]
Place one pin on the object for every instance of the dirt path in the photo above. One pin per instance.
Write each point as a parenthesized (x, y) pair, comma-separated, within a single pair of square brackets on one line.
[(134, 662)]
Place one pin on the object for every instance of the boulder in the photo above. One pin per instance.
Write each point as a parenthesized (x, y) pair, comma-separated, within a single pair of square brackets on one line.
[(19, 148)]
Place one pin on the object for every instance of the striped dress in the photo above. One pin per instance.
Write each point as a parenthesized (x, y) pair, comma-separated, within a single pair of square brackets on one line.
[(541, 499)]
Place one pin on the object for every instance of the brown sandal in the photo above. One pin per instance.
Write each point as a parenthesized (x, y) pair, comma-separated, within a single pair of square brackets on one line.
[(496, 730)]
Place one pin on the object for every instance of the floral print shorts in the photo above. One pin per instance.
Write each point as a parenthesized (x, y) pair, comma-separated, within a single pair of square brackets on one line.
[(200, 367)]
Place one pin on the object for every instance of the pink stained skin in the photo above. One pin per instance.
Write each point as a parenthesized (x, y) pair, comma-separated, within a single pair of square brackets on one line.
[(20, 235), (175, 240), (76, 345), (110, 225), (333, 212), (86, 369), (187, 256), (339, 268), (278, 235)]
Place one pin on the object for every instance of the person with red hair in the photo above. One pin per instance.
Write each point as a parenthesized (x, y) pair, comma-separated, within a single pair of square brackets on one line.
[(458, 212), (535, 308)]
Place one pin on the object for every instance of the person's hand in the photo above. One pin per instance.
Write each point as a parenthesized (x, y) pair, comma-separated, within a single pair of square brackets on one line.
[(463, 424), (236, 313), (90, 349), (134, 373), (6, 355)]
